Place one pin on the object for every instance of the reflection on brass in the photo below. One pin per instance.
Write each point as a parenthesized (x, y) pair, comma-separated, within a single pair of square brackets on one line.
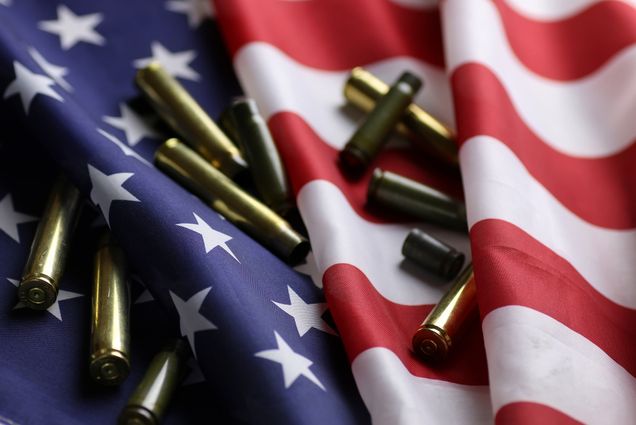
[(152, 396), (401, 194), (110, 340), (438, 333), (366, 142), (40, 281), (363, 89), (175, 105), (258, 147), (432, 254), (222, 194)]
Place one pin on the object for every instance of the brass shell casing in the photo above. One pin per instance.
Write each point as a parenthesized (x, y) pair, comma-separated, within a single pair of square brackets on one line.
[(227, 198), (175, 105), (110, 339), (152, 396), (438, 333), (363, 89), (40, 281)]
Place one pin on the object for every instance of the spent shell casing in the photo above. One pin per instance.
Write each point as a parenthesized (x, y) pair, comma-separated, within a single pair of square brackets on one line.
[(40, 281), (438, 333), (265, 164), (367, 140), (175, 105), (152, 396), (417, 200), (110, 339), (226, 122), (432, 254), (363, 89), (227, 198)]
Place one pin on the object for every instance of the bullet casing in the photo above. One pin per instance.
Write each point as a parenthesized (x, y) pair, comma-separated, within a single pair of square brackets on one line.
[(40, 281), (259, 149), (363, 89), (222, 194), (110, 339), (175, 105), (422, 202), (381, 120), (439, 331), (152, 396), (226, 122), (432, 254)]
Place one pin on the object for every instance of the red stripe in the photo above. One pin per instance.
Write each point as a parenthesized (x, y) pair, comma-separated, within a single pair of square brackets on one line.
[(574, 47), (334, 34), (308, 158), (365, 320), (483, 107), (512, 268), (526, 413)]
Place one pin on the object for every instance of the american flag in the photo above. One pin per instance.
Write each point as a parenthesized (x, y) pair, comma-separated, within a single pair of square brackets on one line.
[(539, 93)]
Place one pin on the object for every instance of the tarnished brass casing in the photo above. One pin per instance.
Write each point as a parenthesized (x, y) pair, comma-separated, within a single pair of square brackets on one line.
[(437, 334), (227, 198), (110, 339), (367, 140), (259, 149), (432, 254), (422, 202), (363, 89), (40, 281), (175, 105), (152, 396)]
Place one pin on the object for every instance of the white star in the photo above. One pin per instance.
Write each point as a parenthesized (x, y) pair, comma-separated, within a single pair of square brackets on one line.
[(54, 309), (211, 238), (108, 188), (196, 375), (72, 28), (29, 85), (124, 148), (132, 124), (197, 10), (294, 365), (57, 73), (306, 316), (5, 2), (310, 268), (176, 64), (9, 218), (190, 320), (145, 297)]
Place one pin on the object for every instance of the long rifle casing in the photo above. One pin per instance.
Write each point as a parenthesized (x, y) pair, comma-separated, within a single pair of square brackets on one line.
[(152, 396), (363, 89), (222, 194), (422, 202), (110, 340), (366, 142), (175, 105), (259, 148), (40, 281), (437, 334)]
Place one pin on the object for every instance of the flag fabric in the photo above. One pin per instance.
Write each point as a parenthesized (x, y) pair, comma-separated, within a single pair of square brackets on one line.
[(264, 344)]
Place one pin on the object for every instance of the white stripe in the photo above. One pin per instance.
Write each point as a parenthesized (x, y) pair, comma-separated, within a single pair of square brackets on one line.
[(554, 9), (279, 83), (588, 117), (534, 358), (497, 185), (339, 235), (394, 396)]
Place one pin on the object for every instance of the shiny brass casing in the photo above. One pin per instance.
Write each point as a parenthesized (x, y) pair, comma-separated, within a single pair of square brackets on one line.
[(367, 140), (259, 149), (222, 194), (363, 89), (390, 190), (40, 281), (175, 105), (432, 254), (152, 396), (110, 339), (437, 334)]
